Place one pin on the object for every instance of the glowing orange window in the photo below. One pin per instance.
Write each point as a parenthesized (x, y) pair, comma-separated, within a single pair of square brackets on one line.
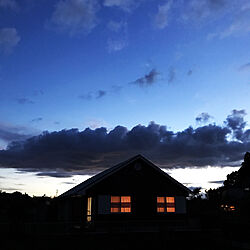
[(120, 204), (165, 204)]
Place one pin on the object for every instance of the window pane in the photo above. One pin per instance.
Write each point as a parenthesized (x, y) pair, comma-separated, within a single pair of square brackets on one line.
[(160, 209), (126, 199), (170, 199), (89, 205), (160, 199), (115, 199), (126, 209), (115, 209), (170, 209)]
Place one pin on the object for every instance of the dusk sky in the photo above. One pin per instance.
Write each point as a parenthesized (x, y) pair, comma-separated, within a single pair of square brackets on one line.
[(86, 84)]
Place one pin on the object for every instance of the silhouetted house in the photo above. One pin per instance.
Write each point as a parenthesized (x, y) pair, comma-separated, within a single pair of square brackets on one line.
[(132, 194)]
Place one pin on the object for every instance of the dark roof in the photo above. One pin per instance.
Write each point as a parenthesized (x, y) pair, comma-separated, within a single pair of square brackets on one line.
[(82, 187)]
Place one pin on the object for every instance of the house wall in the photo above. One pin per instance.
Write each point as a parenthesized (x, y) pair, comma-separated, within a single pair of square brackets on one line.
[(143, 183)]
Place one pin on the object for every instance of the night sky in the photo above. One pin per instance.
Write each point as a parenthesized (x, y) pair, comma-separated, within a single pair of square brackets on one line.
[(86, 84)]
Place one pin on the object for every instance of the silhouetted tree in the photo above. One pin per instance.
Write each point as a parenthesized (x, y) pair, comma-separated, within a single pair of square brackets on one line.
[(240, 178)]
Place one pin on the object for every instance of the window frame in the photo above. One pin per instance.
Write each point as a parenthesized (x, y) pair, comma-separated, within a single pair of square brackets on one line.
[(121, 204), (167, 203)]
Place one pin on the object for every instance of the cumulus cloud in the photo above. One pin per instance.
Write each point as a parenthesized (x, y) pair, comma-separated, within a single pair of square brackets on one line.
[(162, 16), (203, 117), (236, 123), (75, 16), (8, 39), (10, 133), (67, 152), (147, 79)]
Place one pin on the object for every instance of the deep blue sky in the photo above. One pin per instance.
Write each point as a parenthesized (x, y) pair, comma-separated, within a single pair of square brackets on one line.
[(103, 63)]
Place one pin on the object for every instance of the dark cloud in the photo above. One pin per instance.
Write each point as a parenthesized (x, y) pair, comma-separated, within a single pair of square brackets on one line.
[(54, 174), (68, 182), (236, 123), (67, 152), (217, 182), (24, 100), (203, 117), (100, 94), (147, 79), (10, 133), (38, 119), (93, 95)]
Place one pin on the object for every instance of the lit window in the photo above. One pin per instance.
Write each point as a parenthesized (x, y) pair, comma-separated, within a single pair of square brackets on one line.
[(120, 204), (165, 204), (228, 208), (89, 210)]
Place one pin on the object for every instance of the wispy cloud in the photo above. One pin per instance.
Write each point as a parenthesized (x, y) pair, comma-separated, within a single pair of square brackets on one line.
[(116, 44), (162, 16), (24, 100), (93, 95), (116, 26), (125, 5), (118, 38), (245, 67), (37, 119), (199, 10), (8, 39), (171, 74), (147, 79), (9, 4), (75, 16)]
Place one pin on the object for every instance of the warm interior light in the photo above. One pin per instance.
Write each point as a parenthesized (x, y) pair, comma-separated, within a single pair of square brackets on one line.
[(125, 199), (165, 204), (89, 209), (160, 200), (170, 199), (115, 199), (120, 204)]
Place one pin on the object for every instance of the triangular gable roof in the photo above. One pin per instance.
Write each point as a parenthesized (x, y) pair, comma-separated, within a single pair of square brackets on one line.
[(82, 187)]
